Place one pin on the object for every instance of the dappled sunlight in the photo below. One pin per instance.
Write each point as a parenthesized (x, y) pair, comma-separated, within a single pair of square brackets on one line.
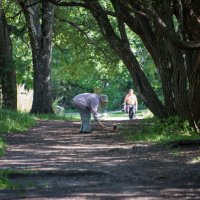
[(100, 165)]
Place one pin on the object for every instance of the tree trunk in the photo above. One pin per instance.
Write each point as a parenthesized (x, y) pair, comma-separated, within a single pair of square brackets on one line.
[(41, 44), (7, 68), (176, 61), (143, 86), (178, 69), (154, 44), (194, 90)]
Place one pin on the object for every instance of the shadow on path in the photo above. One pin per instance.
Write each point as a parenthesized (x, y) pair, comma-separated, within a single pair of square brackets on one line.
[(62, 164)]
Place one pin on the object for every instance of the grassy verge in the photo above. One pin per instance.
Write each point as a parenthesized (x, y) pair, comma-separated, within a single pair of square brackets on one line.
[(6, 175), (66, 116), (5, 183), (13, 122), (153, 130)]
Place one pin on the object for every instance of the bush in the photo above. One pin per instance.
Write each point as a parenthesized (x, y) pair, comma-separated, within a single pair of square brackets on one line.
[(155, 130)]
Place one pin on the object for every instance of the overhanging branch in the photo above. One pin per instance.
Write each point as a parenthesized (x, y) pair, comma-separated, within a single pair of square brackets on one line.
[(72, 3), (84, 33), (172, 36), (165, 31)]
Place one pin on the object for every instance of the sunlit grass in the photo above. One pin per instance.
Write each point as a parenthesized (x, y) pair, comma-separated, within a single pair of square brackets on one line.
[(7, 183), (2, 146), (65, 116), (152, 130), (196, 160), (11, 121), (142, 113)]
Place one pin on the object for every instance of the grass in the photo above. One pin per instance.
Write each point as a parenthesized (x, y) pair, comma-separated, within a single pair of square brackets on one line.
[(14, 121), (152, 130), (2, 146), (196, 160), (5, 178), (5, 183), (66, 116)]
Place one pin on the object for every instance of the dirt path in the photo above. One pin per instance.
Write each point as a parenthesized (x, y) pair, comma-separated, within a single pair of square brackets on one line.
[(65, 165)]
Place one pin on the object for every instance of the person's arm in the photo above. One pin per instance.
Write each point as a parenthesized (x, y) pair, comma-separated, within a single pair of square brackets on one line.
[(136, 104), (100, 124), (125, 99), (94, 107)]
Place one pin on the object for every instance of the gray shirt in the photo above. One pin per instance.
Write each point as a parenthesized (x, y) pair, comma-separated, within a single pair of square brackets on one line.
[(89, 101)]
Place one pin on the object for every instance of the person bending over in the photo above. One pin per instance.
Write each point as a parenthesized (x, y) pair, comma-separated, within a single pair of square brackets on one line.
[(86, 104)]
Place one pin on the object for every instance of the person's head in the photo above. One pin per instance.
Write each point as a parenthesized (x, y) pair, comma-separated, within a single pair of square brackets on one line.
[(131, 91), (103, 99)]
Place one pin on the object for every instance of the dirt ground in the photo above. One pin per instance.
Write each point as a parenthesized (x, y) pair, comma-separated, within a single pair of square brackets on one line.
[(64, 164)]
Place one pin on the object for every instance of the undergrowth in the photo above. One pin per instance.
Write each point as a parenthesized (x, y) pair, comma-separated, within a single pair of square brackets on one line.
[(154, 130), (55, 117), (4, 181), (6, 178), (11, 121)]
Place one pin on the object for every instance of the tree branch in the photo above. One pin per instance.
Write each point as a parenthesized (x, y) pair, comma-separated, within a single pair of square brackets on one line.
[(73, 3), (121, 25), (169, 34), (84, 33)]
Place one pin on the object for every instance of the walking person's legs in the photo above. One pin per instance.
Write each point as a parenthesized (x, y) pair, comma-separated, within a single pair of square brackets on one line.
[(134, 111), (130, 113)]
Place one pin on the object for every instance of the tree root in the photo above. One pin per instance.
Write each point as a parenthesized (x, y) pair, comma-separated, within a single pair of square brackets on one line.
[(184, 143)]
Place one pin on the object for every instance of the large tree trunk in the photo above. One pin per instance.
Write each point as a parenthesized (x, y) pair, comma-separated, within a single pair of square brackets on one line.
[(41, 44), (7, 68), (179, 69), (154, 44), (192, 31), (176, 61), (194, 92), (124, 52)]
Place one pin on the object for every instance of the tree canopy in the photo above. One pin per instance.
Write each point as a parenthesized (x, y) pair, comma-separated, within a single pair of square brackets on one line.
[(95, 44)]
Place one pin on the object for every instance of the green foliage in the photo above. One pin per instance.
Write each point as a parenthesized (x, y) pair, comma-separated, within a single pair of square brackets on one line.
[(14, 121), (154, 130), (146, 62), (20, 43), (4, 181), (2, 146), (84, 61), (173, 126), (23, 61), (196, 160), (7, 183), (63, 116)]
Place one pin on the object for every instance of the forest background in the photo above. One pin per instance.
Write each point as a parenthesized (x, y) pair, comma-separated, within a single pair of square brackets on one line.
[(62, 48)]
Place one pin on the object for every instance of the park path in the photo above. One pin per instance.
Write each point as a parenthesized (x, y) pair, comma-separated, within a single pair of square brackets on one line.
[(60, 164)]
